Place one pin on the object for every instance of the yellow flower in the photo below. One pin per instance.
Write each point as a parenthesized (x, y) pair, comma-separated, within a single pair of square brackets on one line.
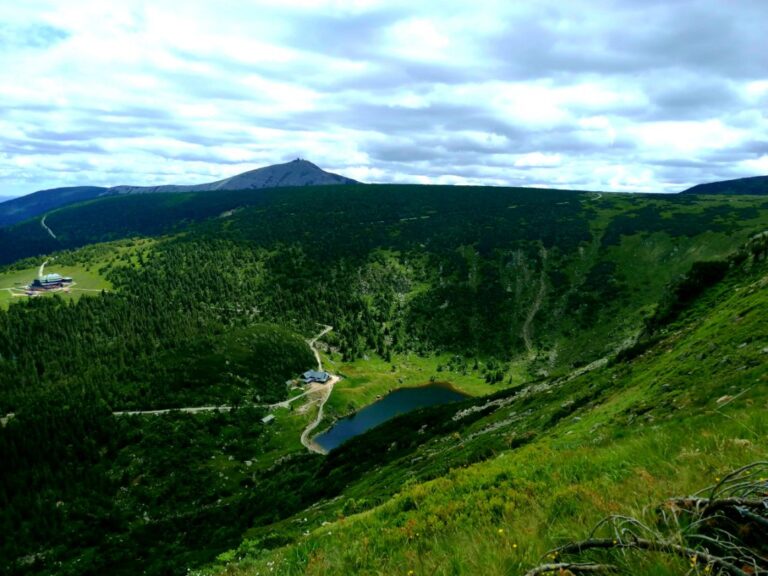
[(501, 530)]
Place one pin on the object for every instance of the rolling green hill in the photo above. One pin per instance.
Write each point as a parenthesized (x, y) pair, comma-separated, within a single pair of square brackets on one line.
[(593, 331), (757, 185)]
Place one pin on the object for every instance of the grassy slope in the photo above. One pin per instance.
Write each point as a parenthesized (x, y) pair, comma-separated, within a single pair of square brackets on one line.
[(366, 379), (618, 440)]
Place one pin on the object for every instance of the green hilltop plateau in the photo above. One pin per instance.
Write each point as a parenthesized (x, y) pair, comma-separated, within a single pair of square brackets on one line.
[(612, 350)]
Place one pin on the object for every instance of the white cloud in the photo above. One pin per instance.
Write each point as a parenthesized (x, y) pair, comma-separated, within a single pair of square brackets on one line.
[(688, 137), (491, 92), (538, 160)]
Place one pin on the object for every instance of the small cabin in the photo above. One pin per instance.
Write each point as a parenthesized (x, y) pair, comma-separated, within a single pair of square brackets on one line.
[(315, 376), (268, 418)]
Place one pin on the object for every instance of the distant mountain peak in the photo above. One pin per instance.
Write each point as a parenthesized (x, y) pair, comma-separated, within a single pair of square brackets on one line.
[(298, 172)]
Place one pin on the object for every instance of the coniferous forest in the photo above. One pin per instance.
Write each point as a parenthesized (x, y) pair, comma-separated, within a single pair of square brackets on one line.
[(212, 300)]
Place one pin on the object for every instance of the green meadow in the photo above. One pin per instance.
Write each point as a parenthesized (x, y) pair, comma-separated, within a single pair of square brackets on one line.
[(86, 281)]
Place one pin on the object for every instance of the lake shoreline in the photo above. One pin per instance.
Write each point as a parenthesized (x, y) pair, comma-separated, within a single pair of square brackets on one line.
[(396, 402)]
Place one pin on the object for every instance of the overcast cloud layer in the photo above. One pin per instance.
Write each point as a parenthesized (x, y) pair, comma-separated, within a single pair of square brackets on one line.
[(586, 94)]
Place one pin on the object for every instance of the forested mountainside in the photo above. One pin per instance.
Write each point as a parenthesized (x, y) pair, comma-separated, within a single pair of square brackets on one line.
[(484, 271), (208, 300)]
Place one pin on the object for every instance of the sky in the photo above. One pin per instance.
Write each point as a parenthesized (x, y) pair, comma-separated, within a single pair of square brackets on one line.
[(619, 95)]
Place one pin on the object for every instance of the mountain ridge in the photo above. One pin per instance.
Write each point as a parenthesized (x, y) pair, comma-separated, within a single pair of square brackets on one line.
[(297, 172), (751, 186)]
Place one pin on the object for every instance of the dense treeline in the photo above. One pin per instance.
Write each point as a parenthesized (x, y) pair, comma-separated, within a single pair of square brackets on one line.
[(132, 351)]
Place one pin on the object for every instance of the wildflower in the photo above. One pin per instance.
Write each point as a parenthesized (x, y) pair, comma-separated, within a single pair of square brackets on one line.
[(411, 572), (501, 530)]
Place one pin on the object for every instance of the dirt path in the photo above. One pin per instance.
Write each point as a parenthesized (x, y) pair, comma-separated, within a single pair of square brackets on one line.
[(325, 390), (14, 292), (311, 445), (314, 340), (194, 410), (223, 407), (41, 269), (536, 305), (45, 227)]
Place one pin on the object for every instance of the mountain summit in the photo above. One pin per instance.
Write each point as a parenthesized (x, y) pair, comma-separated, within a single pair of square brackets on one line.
[(295, 173)]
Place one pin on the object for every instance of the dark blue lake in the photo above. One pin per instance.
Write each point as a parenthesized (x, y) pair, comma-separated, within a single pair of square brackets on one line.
[(393, 404)]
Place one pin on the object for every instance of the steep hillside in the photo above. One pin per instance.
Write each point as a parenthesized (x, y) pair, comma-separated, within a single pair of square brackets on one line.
[(756, 185), (490, 487)]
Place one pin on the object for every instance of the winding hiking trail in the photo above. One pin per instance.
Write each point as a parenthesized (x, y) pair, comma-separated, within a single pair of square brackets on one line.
[(536, 305), (325, 391), (41, 269), (310, 444), (46, 228)]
